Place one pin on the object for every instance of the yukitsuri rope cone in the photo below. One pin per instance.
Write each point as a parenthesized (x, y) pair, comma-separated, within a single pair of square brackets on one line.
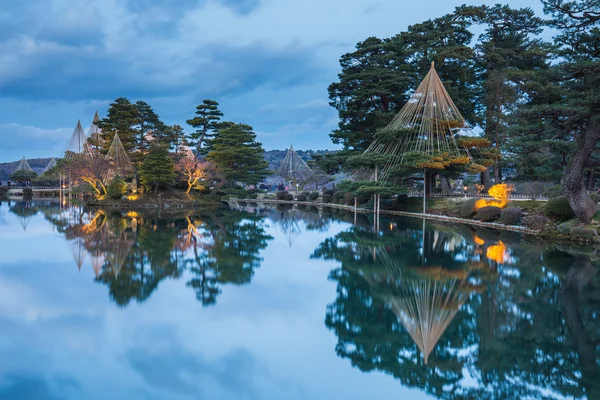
[(23, 166), (95, 133), (78, 143), (120, 163), (426, 125), (293, 168), (51, 164)]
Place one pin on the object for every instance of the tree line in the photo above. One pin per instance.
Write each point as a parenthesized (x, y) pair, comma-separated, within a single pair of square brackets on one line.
[(536, 102), (218, 154)]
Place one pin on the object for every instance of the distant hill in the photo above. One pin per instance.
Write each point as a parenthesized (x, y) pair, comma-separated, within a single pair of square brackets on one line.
[(274, 157), (38, 165)]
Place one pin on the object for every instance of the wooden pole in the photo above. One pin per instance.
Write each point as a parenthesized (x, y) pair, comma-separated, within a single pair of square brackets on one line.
[(424, 190)]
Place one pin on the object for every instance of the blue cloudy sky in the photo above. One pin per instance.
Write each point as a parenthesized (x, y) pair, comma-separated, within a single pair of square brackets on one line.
[(268, 62)]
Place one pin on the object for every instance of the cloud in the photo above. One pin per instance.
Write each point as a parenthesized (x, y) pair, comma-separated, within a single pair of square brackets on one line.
[(32, 141), (57, 58)]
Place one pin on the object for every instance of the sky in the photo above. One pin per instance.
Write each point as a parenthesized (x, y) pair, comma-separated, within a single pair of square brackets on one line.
[(267, 62)]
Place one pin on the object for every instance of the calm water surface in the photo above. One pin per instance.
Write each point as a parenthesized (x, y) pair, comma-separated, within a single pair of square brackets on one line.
[(282, 303)]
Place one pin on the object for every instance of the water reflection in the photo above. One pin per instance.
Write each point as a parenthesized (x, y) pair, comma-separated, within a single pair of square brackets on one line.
[(462, 314), (133, 252), (454, 311)]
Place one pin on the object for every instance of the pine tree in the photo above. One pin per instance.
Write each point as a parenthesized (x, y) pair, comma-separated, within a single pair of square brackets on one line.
[(149, 123), (237, 155), (508, 53), (565, 102), (157, 169), (206, 121), (122, 117)]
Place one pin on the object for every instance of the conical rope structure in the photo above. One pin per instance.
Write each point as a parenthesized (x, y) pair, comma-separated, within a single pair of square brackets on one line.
[(293, 168), (120, 163), (51, 164), (94, 133), (23, 166), (118, 253), (78, 143), (425, 299), (426, 125)]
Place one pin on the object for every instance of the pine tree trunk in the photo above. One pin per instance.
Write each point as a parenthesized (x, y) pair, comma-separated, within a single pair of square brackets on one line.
[(573, 180), (486, 179), (445, 183)]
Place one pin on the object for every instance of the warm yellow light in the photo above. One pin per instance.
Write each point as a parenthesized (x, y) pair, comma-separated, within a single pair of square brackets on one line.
[(497, 252), (133, 197), (478, 240), (501, 194), (133, 214)]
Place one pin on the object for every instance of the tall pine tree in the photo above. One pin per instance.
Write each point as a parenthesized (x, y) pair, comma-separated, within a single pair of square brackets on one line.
[(238, 157), (122, 117), (206, 121)]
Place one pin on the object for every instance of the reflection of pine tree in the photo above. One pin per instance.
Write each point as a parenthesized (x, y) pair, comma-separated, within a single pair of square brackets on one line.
[(521, 333), (231, 257)]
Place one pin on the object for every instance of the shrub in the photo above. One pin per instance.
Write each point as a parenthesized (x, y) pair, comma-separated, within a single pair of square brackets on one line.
[(329, 192), (116, 188), (288, 197), (252, 195), (301, 197), (511, 216), (281, 194), (3, 190), (488, 213), (313, 196), (402, 198), (326, 198), (467, 208), (337, 196), (27, 192), (537, 222), (305, 193), (559, 208)]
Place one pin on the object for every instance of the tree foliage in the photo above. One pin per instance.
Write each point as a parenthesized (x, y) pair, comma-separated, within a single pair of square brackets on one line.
[(237, 155)]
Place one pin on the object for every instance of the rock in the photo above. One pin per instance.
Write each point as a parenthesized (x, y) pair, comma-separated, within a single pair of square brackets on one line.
[(583, 233), (511, 216), (467, 208), (488, 213)]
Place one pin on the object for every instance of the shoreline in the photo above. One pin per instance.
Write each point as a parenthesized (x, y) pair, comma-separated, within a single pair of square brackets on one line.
[(362, 210)]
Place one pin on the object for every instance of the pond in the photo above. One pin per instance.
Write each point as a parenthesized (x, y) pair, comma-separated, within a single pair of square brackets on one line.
[(288, 303)]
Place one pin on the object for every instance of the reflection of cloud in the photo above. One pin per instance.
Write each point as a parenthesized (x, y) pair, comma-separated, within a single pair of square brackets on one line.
[(22, 387), (174, 370)]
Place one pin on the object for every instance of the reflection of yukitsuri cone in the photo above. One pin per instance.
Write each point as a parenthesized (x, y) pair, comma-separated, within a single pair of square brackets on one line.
[(78, 251), (97, 262), (426, 308), (293, 168), (118, 253)]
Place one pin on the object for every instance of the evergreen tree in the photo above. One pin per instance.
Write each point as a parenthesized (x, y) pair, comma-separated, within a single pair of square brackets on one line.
[(122, 117), (237, 155), (177, 138), (565, 105), (149, 123), (508, 53), (157, 169), (377, 78), (206, 121)]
